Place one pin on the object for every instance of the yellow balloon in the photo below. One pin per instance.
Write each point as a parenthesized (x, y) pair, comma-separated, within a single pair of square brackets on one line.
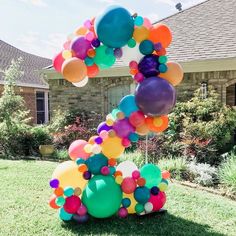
[(131, 208), (140, 34), (112, 147), (68, 175)]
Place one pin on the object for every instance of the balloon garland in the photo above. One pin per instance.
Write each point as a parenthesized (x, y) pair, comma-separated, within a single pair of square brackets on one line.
[(92, 183)]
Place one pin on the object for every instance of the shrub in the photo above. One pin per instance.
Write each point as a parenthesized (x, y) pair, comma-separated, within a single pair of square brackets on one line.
[(227, 172), (177, 167), (136, 157), (202, 173), (61, 155)]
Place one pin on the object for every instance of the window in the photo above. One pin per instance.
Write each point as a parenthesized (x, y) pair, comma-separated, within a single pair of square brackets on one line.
[(42, 107), (204, 88)]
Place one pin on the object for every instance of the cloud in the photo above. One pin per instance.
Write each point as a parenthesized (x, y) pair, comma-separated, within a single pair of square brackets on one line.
[(106, 1), (153, 17), (37, 3), (45, 47)]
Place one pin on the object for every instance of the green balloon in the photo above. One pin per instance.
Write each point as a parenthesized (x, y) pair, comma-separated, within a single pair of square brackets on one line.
[(96, 162), (139, 208), (103, 59), (152, 175), (102, 196)]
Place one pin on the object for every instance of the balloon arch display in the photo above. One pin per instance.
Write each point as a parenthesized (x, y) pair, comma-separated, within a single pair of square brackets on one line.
[(93, 183)]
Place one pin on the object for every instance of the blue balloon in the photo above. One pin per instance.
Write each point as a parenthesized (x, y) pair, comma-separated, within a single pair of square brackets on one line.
[(146, 47), (64, 215), (114, 27), (142, 194), (128, 105)]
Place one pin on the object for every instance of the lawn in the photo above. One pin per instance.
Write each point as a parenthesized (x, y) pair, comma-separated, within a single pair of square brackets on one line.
[(24, 211)]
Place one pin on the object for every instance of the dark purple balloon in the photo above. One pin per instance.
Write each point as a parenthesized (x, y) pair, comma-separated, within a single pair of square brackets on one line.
[(54, 183), (123, 128), (96, 43), (80, 46), (80, 219), (155, 96), (103, 126), (149, 65)]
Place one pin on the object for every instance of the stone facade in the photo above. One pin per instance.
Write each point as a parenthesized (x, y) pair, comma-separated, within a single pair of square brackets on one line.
[(97, 94)]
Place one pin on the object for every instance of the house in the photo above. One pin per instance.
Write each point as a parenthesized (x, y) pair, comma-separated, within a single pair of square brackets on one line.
[(31, 85), (204, 43)]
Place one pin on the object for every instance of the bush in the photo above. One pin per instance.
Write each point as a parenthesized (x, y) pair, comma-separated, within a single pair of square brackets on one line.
[(61, 155), (227, 172), (136, 157), (176, 166), (202, 173)]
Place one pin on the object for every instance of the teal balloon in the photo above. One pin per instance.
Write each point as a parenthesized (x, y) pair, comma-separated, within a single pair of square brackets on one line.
[(152, 175), (138, 21), (126, 202), (103, 59), (112, 170), (146, 47), (133, 137), (96, 162), (163, 68), (114, 112), (68, 191), (114, 27), (139, 208), (80, 161), (88, 61), (64, 215), (128, 105), (102, 196), (142, 194), (60, 201), (131, 43)]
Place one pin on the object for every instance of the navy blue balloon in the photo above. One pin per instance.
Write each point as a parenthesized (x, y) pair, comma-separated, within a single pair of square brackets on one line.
[(155, 96), (81, 219), (114, 27), (149, 65)]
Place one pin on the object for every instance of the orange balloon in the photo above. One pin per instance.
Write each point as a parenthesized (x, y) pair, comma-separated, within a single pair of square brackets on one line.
[(133, 71), (91, 52), (52, 202), (165, 174), (160, 33), (80, 31), (92, 71), (59, 191), (142, 130), (161, 52), (140, 34), (174, 74), (157, 124), (74, 70)]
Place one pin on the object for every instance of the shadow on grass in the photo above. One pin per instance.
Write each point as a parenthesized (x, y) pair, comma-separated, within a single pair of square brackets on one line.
[(153, 224)]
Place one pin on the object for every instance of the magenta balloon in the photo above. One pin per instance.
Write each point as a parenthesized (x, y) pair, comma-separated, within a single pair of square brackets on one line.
[(103, 126), (123, 128), (80, 46), (155, 96)]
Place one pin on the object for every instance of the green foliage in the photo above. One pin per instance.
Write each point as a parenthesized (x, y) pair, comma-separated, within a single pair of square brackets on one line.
[(61, 155), (136, 157), (227, 172), (14, 116)]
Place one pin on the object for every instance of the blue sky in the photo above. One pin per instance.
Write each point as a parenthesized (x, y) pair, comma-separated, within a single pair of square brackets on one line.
[(41, 26)]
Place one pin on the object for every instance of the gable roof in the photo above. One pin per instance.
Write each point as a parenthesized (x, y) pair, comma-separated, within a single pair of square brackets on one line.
[(31, 65)]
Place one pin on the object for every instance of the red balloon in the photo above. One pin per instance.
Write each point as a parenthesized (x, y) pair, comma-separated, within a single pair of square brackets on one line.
[(92, 71), (158, 201), (137, 118), (58, 61), (128, 185), (72, 204), (52, 202)]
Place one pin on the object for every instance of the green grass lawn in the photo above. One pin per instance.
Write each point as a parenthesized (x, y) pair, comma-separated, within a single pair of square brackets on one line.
[(24, 210)]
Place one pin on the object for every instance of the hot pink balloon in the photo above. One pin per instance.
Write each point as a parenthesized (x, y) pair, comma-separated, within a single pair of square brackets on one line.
[(158, 201), (58, 61), (72, 204), (123, 128), (76, 150)]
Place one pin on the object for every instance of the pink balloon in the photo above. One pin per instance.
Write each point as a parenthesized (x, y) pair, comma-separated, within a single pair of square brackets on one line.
[(72, 204), (66, 45), (76, 150), (147, 23), (82, 210), (158, 201), (58, 61), (122, 212), (126, 142), (128, 185)]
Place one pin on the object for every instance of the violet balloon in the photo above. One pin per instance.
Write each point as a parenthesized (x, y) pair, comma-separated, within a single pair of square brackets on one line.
[(155, 96), (80, 46), (123, 128), (149, 65), (103, 126)]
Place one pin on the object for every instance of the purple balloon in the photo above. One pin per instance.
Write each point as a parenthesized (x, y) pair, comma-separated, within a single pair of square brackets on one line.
[(149, 65), (80, 46), (80, 219), (155, 96), (123, 128), (103, 126)]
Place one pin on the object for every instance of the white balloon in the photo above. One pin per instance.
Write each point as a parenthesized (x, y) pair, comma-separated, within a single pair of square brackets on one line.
[(148, 207), (131, 54), (127, 168), (82, 83)]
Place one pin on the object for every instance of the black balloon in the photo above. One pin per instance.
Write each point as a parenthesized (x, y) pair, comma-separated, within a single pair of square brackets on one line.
[(155, 96), (149, 65)]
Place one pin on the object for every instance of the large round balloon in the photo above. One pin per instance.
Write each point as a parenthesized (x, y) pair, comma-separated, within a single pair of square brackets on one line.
[(114, 27), (152, 175), (68, 175), (102, 196), (103, 58), (174, 74), (74, 70), (76, 150), (127, 168), (149, 65), (112, 147), (158, 201), (155, 96), (80, 46)]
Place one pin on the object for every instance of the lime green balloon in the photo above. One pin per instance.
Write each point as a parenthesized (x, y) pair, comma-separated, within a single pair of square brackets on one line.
[(102, 196), (103, 58), (152, 175)]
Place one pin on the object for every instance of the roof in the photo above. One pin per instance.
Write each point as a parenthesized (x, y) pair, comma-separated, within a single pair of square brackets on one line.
[(204, 31), (31, 65)]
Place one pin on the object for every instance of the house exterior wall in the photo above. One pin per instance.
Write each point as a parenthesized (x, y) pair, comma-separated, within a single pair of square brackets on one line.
[(29, 95), (94, 96)]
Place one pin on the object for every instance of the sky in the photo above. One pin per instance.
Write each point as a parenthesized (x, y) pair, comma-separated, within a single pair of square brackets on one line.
[(41, 26)]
